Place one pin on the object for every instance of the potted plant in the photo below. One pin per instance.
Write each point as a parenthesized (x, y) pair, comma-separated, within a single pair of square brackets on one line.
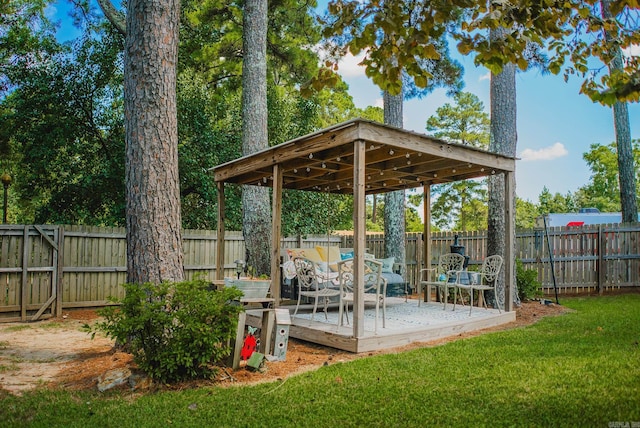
[(251, 287)]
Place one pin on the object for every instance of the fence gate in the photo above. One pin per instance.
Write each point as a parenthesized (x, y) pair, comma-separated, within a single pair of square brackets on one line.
[(29, 260)]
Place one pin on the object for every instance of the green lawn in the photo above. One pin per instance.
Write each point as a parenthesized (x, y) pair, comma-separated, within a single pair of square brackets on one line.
[(579, 369)]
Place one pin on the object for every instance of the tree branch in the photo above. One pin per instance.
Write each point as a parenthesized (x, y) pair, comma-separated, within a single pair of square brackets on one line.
[(114, 16)]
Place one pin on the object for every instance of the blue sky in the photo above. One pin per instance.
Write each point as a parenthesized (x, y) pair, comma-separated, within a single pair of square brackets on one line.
[(556, 124)]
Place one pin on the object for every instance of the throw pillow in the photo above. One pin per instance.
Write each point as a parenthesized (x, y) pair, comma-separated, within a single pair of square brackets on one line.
[(387, 264), (345, 256)]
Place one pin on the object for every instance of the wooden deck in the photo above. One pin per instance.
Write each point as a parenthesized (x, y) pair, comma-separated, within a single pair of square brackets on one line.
[(406, 322)]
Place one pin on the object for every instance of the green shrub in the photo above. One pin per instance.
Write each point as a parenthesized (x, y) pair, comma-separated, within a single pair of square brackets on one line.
[(175, 331), (527, 282)]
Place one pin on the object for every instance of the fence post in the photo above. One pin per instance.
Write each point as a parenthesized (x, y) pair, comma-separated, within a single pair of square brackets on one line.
[(600, 265), (60, 271), (25, 265)]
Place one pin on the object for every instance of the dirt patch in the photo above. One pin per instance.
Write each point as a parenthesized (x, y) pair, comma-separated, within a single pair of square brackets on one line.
[(58, 353)]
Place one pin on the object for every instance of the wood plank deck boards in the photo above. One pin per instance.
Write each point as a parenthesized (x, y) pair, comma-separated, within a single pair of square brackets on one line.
[(405, 323)]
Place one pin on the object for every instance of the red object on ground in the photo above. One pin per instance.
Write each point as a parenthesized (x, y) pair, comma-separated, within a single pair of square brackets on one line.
[(249, 347)]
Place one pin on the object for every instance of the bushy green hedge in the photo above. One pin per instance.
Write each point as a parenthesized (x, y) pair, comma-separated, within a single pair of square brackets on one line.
[(527, 282), (175, 331)]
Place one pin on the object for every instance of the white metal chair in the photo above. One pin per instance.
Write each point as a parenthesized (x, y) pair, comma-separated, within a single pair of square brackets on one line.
[(375, 288), (311, 284), (483, 280), (441, 276)]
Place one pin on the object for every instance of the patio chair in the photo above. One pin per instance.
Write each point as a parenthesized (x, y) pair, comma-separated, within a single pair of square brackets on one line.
[(314, 284), (375, 288), (483, 280), (442, 276)]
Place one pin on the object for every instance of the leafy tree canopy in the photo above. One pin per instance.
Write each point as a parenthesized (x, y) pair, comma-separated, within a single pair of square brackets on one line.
[(466, 122), (398, 36), (67, 131)]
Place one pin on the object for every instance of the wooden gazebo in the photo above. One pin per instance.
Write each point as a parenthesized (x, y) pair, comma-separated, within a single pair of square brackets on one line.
[(363, 157)]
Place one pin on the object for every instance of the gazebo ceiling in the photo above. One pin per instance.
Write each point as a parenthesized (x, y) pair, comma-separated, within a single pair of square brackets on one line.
[(395, 159)]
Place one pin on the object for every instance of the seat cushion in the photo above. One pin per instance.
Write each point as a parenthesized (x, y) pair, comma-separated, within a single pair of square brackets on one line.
[(308, 253), (393, 278)]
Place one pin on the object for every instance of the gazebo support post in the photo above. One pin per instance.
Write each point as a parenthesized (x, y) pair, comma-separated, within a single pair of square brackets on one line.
[(220, 234), (426, 239), (509, 245), (276, 231), (360, 230)]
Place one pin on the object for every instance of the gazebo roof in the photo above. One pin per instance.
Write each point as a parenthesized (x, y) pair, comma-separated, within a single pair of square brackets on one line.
[(395, 159)]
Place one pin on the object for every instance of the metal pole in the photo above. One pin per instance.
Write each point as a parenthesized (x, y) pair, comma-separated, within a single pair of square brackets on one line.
[(553, 271)]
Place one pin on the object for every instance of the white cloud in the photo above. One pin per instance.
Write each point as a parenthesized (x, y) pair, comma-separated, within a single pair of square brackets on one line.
[(51, 12), (486, 76), (379, 102), (348, 65), (546, 153)]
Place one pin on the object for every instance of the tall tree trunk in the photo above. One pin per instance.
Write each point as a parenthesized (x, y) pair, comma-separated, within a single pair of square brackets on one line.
[(626, 169), (256, 225), (154, 244), (394, 216), (503, 140)]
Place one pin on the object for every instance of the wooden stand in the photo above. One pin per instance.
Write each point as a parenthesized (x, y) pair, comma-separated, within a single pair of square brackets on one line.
[(268, 321)]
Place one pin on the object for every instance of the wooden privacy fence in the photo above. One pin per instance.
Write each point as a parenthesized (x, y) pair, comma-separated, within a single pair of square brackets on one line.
[(44, 269), (585, 259)]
